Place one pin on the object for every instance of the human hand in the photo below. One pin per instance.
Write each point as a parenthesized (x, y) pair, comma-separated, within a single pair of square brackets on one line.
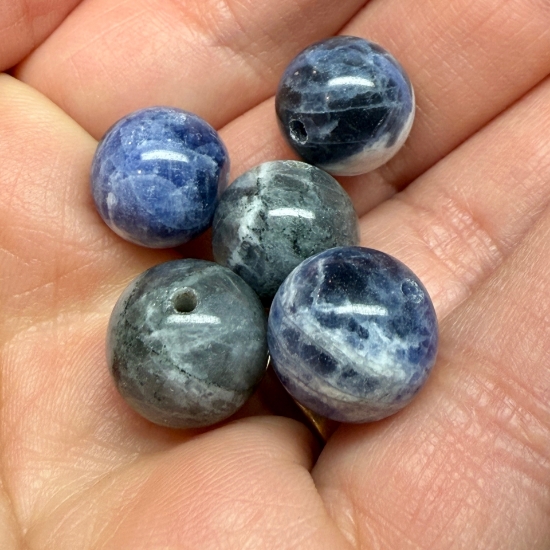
[(466, 465)]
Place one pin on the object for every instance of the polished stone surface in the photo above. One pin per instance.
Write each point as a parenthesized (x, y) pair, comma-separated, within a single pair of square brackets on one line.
[(275, 216), (157, 176), (346, 105), (352, 334), (187, 344)]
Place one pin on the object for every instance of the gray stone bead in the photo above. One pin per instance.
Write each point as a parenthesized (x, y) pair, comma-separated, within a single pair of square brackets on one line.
[(275, 216), (186, 343)]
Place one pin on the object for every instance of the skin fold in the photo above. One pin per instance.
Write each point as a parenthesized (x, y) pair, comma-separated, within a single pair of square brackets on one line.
[(464, 205)]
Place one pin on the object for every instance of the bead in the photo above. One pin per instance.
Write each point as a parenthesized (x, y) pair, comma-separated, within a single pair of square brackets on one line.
[(275, 216), (352, 334), (157, 176), (346, 105), (187, 344)]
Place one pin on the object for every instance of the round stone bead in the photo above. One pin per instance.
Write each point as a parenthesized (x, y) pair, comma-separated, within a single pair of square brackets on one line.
[(352, 334), (186, 343), (346, 105), (157, 176), (275, 216)]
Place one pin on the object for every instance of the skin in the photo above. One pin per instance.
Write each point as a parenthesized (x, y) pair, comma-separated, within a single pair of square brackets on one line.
[(464, 204)]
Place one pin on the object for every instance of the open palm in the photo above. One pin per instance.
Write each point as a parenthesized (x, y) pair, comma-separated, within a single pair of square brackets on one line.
[(464, 204)]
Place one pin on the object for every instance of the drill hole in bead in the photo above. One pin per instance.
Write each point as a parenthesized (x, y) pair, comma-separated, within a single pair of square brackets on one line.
[(412, 291), (298, 131), (185, 301)]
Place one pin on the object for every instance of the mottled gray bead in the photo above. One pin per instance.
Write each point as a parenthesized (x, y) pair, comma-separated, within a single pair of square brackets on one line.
[(186, 343), (275, 216)]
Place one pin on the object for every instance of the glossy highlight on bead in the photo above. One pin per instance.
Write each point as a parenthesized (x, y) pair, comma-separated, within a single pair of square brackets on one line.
[(346, 105), (157, 176), (353, 334), (186, 343)]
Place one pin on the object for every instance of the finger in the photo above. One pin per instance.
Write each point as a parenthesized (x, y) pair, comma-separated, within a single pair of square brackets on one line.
[(10, 535), (216, 59), (469, 221), (62, 271), (50, 229), (24, 24), (458, 222), (472, 452), (468, 61), (487, 57), (246, 485)]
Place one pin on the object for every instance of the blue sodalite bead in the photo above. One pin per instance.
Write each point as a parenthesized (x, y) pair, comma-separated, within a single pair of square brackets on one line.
[(275, 216), (352, 334), (157, 176), (346, 105), (187, 343)]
